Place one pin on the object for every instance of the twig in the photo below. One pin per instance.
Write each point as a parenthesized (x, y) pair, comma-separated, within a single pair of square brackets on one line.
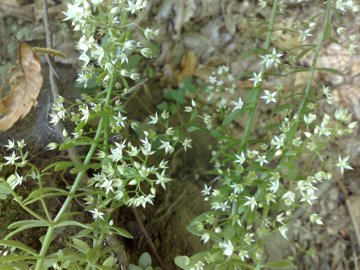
[(3, 30), (355, 259), (73, 155), (120, 251), (147, 237), (345, 192)]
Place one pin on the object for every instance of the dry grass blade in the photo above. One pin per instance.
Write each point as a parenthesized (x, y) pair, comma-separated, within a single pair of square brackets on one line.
[(24, 88)]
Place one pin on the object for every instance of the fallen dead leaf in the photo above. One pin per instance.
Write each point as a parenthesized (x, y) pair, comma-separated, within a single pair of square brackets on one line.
[(24, 88), (188, 65)]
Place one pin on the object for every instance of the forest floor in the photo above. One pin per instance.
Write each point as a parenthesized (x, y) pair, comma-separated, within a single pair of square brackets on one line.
[(196, 37)]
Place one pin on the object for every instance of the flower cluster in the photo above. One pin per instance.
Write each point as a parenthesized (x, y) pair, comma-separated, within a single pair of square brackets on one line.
[(259, 185), (18, 158), (99, 21)]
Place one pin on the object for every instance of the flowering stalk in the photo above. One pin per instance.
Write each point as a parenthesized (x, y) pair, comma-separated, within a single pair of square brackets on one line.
[(255, 92), (50, 232), (324, 35)]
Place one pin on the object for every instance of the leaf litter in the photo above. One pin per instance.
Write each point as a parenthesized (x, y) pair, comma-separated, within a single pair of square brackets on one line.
[(25, 87)]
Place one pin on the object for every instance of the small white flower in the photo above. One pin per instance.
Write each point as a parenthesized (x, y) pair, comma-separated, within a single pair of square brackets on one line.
[(146, 52), (154, 119), (151, 34), (342, 115), (11, 160), (187, 143), (257, 79), (343, 164), (85, 112), (146, 148), (308, 119), (136, 5), (314, 218), (51, 146), (10, 145), (165, 115), (262, 160), (167, 147), (205, 237), (206, 190), (97, 214), (243, 254), (15, 180), (162, 179), (248, 238), (283, 230), (305, 34), (240, 159), (289, 198), (269, 96), (238, 104), (228, 248), (107, 185), (251, 202)]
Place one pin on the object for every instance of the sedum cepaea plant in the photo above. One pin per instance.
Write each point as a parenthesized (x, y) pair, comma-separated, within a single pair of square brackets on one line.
[(260, 181), (128, 159), (257, 184)]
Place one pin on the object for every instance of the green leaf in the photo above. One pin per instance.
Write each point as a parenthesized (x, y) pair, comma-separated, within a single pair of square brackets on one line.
[(330, 70), (278, 265), (73, 143), (45, 192), (178, 95), (145, 260), (182, 261), (81, 168), (134, 267), (121, 232), (231, 117), (6, 267), (282, 108), (304, 52), (109, 262), (193, 128), (61, 165), (4, 191), (81, 245), (19, 245), (15, 258), (216, 134), (84, 233), (94, 254), (20, 266), (30, 223), (72, 223), (247, 54)]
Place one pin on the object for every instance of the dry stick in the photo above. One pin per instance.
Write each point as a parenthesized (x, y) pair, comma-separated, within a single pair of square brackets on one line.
[(355, 259), (147, 237), (73, 155), (345, 192)]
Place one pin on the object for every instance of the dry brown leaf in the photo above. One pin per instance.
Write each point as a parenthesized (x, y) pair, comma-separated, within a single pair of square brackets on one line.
[(24, 88), (188, 65)]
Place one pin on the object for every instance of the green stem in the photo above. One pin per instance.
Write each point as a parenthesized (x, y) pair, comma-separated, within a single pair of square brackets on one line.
[(307, 90), (255, 92), (291, 134), (27, 209), (50, 232)]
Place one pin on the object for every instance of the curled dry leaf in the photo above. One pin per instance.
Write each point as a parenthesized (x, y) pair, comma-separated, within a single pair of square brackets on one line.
[(25, 86), (188, 65)]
